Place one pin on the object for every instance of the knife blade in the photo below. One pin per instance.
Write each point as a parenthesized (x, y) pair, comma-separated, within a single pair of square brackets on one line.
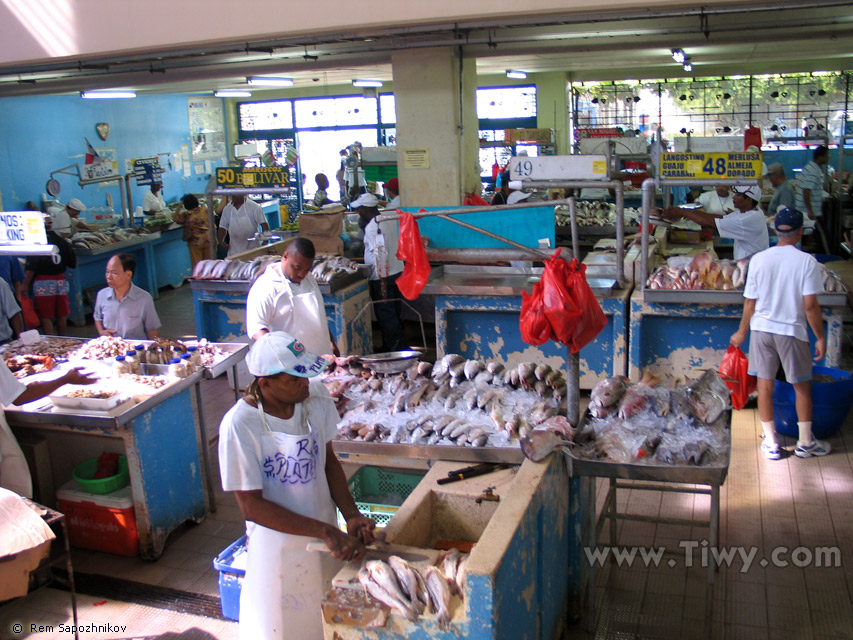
[(409, 554)]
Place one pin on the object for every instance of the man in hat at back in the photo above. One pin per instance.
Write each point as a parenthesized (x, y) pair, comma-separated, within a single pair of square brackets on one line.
[(784, 196), (65, 221), (780, 303), (153, 202)]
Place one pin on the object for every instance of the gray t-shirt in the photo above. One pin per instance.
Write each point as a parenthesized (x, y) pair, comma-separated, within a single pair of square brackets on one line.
[(131, 318)]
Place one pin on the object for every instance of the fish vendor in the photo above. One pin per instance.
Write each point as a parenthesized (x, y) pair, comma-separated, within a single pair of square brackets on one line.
[(275, 453), (123, 309), (286, 297)]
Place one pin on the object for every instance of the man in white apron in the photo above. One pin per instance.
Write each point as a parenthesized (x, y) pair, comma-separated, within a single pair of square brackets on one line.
[(275, 453), (240, 220), (286, 298)]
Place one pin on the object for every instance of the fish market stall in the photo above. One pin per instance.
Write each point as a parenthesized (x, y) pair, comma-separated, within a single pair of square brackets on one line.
[(500, 576), (220, 289), (171, 257), (148, 411)]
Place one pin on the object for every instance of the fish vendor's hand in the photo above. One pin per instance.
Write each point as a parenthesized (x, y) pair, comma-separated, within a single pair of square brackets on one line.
[(343, 546), (76, 376), (737, 338), (819, 349), (672, 213), (362, 528)]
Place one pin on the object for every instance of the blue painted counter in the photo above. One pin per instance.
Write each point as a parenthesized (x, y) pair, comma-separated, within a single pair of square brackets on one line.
[(160, 437), (682, 339), (487, 327), (171, 258), (220, 313), (91, 269), (272, 212)]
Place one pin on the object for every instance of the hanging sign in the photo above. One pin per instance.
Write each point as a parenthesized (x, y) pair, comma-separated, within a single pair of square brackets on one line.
[(242, 177), (743, 165), (598, 132), (147, 171), (575, 167), (541, 136), (22, 227)]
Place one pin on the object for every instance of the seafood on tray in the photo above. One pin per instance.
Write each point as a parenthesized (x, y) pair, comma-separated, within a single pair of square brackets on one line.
[(650, 423), (454, 402), (232, 269), (26, 365), (327, 266), (57, 347), (701, 273), (595, 213), (104, 348), (413, 591)]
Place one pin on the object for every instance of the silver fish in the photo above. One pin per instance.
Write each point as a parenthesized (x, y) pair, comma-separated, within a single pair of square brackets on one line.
[(439, 595), (449, 562), (462, 575), (475, 434), (451, 426), (414, 397), (457, 370), (541, 371), (379, 581), (469, 400), (485, 396), (541, 388), (442, 392), (495, 367), (459, 430), (424, 368), (540, 443), (483, 378), (497, 417), (434, 437), (554, 378), (513, 424), (480, 441), (406, 576), (443, 420), (609, 391), (472, 368), (417, 435), (451, 359)]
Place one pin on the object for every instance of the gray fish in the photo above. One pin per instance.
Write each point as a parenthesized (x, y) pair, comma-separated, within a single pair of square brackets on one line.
[(495, 367), (428, 426), (694, 452), (483, 378), (442, 392), (439, 595), (497, 417), (476, 433), (459, 430), (513, 424), (480, 441), (449, 563), (424, 368), (507, 376), (443, 420), (379, 581), (485, 396), (554, 377), (457, 370), (541, 388), (406, 576), (469, 400), (451, 359), (414, 397), (540, 443), (541, 371), (434, 437), (417, 435), (451, 426), (472, 368)]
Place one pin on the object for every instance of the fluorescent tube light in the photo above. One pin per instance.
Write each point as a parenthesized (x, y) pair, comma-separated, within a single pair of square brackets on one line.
[(232, 94), (107, 94), (270, 81), (367, 83), (516, 75)]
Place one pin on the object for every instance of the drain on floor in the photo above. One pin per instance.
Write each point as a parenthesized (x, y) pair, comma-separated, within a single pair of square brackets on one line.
[(146, 594)]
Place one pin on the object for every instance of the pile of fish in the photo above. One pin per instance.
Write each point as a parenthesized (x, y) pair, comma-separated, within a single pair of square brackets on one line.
[(455, 402), (327, 266), (232, 269), (104, 348), (111, 235), (595, 213), (411, 592), (832, 281), (656, 424), (703, 273)]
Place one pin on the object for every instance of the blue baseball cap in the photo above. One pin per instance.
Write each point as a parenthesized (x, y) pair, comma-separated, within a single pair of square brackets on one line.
[(788, 219)]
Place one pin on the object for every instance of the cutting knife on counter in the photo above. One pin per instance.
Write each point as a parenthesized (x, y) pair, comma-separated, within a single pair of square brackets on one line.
[(471, 472)]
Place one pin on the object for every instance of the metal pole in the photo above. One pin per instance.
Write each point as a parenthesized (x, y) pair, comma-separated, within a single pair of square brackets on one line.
[(620, 234), (573, 220), (386, 217), (480, 255), (512, 243), (573, 388)]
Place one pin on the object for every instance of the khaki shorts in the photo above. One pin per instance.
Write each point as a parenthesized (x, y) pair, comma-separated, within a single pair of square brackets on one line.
[(768, 350)]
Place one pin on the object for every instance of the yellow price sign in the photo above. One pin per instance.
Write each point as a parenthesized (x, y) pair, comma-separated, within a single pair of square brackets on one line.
[(744, 165), (599, 166)]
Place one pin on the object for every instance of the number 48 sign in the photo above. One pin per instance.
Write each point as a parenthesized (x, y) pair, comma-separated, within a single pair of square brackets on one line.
[(725, 166)]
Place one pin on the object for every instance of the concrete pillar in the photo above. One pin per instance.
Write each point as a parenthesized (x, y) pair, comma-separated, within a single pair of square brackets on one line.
[(552, 107), (435, 92)]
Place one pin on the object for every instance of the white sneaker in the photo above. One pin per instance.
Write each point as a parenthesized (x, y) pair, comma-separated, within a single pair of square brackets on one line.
[(816, 448), (771, 451)]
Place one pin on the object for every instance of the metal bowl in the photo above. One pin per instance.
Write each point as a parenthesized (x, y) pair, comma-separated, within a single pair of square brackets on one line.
[(391, 361)]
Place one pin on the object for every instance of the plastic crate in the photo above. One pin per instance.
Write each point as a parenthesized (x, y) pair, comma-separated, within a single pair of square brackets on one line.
[(230, 578), (84, 471), (374, 481)]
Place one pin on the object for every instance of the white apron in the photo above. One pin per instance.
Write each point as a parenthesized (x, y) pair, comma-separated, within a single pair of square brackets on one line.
[(284, 583), (240, 229), (306, 322)]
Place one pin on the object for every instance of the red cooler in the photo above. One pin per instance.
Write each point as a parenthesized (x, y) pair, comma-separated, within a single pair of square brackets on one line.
[(103, 522)]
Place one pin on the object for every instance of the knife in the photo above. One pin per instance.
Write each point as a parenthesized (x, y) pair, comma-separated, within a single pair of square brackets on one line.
[(409, 554), (470, 472)]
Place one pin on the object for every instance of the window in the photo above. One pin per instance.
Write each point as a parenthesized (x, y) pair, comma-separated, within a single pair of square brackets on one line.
[(501, 103), (265, 116), (332, 112)]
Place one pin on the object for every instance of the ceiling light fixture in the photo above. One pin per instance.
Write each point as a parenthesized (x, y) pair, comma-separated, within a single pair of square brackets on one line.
[(107, 94), (269, 81), (688, 66), (516, 75), (232, 94), (367, 83), (678, 55)]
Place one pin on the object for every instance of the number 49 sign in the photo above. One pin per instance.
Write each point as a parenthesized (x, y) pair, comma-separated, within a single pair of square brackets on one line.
[(725, 166)]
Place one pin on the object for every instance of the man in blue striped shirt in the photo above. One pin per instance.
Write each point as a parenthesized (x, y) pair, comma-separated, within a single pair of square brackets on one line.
[(809, 193)]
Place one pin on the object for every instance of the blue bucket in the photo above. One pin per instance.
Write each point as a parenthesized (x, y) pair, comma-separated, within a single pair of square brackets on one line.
[(830, 404)]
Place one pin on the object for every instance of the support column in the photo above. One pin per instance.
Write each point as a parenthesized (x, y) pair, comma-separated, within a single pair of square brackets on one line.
[(552, 107), (435, 93)]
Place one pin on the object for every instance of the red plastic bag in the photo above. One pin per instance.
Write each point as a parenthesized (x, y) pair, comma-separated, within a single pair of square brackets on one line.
[(107, 466), (535, 328), (592, 319), (734, 370), (410, 249), (558, 305), (28, 311), (473, 200)]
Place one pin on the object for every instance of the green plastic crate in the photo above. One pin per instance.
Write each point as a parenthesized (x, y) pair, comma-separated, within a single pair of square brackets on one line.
[(374, 481)]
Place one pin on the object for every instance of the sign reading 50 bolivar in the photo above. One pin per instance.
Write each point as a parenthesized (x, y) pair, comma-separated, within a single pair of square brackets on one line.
[(725, 166), (238, 177)]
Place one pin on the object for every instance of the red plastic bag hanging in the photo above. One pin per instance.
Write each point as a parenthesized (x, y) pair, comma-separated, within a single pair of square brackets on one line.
[(734, 370), (592, 319), (410, 249), (535, 328), (559, 307), (28, 311), (473, 200)]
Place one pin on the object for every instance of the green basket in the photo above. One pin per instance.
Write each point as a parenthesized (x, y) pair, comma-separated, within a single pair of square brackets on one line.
[(84, 471), (375, 481)]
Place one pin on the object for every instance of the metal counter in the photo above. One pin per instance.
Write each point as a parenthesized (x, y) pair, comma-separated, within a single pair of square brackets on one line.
[(507, 455), (161, 437), (455, 280)]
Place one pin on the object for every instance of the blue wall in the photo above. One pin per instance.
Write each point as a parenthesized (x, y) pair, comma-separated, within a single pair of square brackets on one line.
[(42, 134)]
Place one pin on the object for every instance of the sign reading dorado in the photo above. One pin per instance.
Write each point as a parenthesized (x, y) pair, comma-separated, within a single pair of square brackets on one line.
[(725, 166), (237, 177)]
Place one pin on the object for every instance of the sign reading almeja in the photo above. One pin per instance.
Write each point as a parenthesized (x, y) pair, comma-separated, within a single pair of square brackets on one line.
[(725, 166), (22, 227)]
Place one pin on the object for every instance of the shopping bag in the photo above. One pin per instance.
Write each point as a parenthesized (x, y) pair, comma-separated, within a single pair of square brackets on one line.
[(410, 249), (535, 328), (592, 319), (734, 370), (28, 310), (473, 200), (558, 305)]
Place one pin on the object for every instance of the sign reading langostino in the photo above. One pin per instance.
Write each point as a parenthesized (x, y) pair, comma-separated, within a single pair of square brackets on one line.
[(725, 166)]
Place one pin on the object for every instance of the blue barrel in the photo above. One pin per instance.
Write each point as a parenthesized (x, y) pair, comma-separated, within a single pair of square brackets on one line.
[(831, 403)]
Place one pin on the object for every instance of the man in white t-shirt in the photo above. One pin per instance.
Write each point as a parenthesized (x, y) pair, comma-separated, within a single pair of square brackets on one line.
[(152, 201), (716, 202), (241, 219), (780, 301)]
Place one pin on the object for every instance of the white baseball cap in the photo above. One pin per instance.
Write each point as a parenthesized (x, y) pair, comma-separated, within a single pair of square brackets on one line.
[(279, 352), (753, 192), (517, 196), (365, 200), (75, 204)]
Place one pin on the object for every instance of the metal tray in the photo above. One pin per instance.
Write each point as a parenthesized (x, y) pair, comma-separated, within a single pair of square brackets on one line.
[(390, 362), (341, 281), (710, 474), (506, 455), (725, 297), (115, 246)]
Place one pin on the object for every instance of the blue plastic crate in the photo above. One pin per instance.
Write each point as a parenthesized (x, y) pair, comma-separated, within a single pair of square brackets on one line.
[(230, 579)]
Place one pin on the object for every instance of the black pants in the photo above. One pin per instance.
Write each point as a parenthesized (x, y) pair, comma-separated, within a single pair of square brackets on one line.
[(388, 313)]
